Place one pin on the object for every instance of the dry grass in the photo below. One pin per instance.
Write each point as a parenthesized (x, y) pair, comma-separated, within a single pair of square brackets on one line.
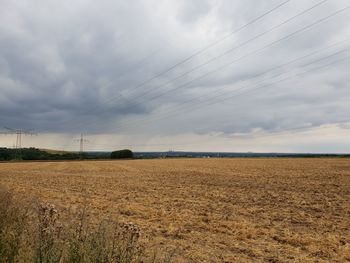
[(210, 210), (32, 232)]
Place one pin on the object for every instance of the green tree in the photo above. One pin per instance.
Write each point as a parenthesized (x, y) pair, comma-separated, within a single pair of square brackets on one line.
[(122, 154)]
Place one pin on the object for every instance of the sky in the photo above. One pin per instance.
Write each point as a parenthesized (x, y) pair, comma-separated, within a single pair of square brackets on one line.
[(191, 75)]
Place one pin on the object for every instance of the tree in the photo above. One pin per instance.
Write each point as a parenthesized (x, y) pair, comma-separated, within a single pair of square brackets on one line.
[(122, 154)]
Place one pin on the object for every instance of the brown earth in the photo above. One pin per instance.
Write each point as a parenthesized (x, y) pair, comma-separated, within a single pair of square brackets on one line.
[(211, 210)]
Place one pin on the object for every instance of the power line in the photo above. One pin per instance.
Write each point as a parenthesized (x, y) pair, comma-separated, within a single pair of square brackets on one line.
[(81, 141), (263, 48), (19, 134), (256, 87), (250, 53), (269, 70), (292, 34), (229, 51), (183, 61), (226, 97), (284, 79), (313, 62)]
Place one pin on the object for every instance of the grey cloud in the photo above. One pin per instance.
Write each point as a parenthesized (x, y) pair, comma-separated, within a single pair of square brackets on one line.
[(71, 66), (192, 11)]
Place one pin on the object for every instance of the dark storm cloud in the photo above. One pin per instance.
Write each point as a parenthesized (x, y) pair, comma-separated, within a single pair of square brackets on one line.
[(71, 66)]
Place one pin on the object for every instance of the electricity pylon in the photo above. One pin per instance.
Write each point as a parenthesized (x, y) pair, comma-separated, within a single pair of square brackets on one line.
[(19, 133), (81, 142)]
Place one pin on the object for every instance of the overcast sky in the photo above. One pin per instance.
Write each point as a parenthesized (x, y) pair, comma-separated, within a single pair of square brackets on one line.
[(177, 74)]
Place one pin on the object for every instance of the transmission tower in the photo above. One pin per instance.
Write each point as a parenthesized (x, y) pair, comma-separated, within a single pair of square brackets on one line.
[(81, 142), (19, 133)]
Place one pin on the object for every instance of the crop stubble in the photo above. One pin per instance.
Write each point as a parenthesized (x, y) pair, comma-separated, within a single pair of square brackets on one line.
[(211, 210)]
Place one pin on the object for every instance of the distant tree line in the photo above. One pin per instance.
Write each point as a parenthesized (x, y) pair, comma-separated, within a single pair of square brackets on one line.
[(7, 154), (122, 154)]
